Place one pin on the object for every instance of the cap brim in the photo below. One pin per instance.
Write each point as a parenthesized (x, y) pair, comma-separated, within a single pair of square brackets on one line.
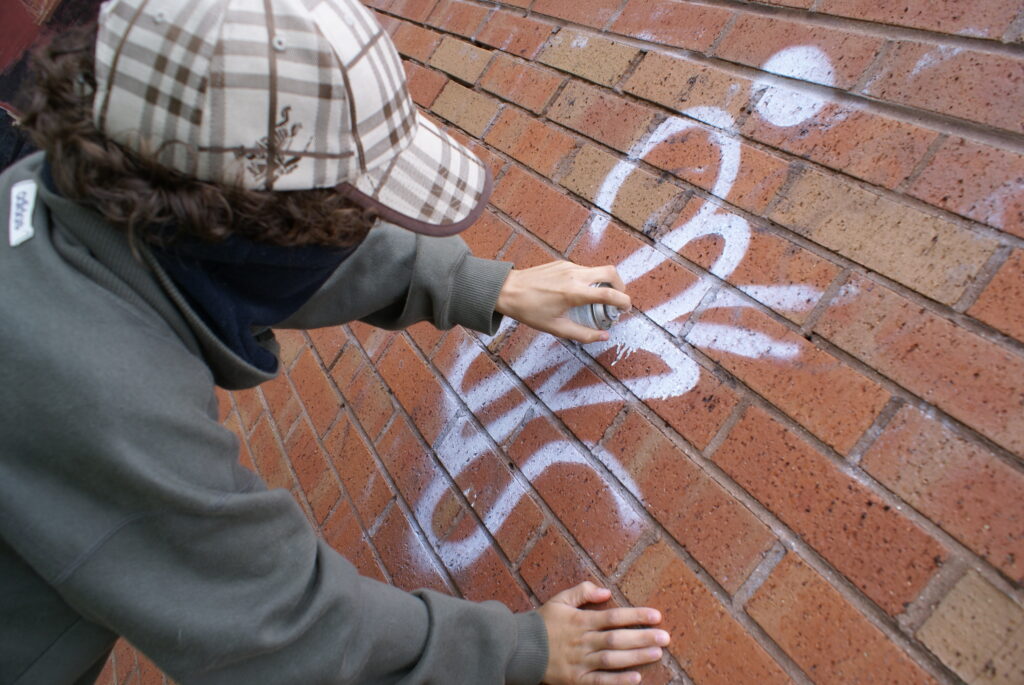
[(436, 186)]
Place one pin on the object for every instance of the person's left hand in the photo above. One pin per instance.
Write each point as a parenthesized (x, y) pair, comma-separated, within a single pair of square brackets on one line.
[(540, 297)]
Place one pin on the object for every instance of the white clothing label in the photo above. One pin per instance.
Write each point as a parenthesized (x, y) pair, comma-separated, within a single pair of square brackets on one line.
[(23, 203)]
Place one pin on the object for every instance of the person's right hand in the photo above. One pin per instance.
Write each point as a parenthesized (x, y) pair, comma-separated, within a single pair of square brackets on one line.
[(590, 647)]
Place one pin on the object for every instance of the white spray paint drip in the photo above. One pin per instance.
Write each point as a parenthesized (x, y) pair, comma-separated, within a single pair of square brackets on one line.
[(580, 41), (784, 298), (783, 106)]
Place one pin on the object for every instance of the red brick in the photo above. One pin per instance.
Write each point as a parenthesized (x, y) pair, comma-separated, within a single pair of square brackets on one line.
[(149, 674), (709, 644), (594, 13), (292, 343), (550, 215), (424, 334), (521, 36), (523, 83), (828, 638), (978, 181), (505, 507), (316, 392), (415, 10), (106, 676), (538, 145), (316, 479), (268, 457), (249, 407), (672, 22), (224, 405), (124, 661), (404, 458), (457, 17), (373, 340), (487, 236), (878, 149), (805, 4), (982, 18), (870, 543), (935, 256), (405, 554), (345, 369), (641, 199), (823, 394), (284, 405), (721, 534), (697, 148), (553, 565), (416, 41), (461, 59), (963, 487), (602, 115), (1000, 305), (387, 22), (593, 57), (683, 84), (363, 480), (772, 265), (753, 40), (342, 532), (603, 522), (963, 83), (525, 251), (328, 342), (415, 387), (424, 84), (467, 109), (575, 393), (370, 401), (244, 456), (975, 380)]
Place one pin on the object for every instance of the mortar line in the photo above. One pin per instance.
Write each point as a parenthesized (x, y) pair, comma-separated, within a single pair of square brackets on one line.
[(872, 71), (870, 435), (906, 184), (824, 302), (758, 576), (983, 278), (920, 610)]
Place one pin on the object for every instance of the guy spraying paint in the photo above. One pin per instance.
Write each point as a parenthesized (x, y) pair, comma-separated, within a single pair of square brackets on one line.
[(213, 169)]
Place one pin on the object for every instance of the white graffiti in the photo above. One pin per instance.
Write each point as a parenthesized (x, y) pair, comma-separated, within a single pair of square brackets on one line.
[(654, 332)]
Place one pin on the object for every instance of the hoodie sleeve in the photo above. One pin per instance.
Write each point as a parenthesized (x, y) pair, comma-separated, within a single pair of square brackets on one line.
[(138, 514), (397, 278)]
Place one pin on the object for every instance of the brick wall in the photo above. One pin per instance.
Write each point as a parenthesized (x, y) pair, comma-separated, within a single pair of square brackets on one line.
[(805, 444)]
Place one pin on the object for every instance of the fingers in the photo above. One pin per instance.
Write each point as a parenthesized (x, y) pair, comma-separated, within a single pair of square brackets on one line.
[(627, 638), (615, 660), (602, 678), (565, 328), (584, 593), (623, 617), (606, 274)]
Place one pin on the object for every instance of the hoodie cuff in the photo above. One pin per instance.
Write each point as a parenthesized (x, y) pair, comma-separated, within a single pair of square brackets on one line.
[(475, 293), (530, 659)]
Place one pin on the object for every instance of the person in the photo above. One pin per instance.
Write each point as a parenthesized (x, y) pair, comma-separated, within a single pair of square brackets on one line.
[(211, 170)]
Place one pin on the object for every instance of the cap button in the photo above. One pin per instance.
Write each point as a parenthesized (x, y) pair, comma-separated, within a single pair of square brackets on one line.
[(278, 43), (160, 17)]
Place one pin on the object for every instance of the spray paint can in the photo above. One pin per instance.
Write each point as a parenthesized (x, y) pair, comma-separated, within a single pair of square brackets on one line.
[(595, 315)]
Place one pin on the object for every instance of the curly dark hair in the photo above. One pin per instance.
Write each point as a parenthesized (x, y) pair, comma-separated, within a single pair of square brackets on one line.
[(142, 197)]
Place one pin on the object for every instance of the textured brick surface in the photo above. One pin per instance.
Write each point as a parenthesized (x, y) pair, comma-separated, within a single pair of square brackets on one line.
[(522, 36), (467, 109), (971, 378), (825, 395), (1000, 303), (722, 535), (526, 85), (686, 85), (598, 114), (462, 60), (930, 254), (988, 18), (716, 649), (552, 216), (459, 17), (415, 41), (958, 484), (981, 182), (823, 633), (592, 57), (975, 631), (920, 74), (424, 84), (680, 24), (594, 13), (537, 145), (881, 551)]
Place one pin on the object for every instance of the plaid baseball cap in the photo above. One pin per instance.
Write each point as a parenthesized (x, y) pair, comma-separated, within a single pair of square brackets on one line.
[(281, 95)]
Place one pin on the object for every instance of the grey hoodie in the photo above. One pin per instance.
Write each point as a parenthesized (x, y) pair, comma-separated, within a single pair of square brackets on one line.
[(124, 510)]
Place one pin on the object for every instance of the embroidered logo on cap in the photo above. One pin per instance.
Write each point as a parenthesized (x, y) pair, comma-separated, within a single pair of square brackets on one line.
[(23, 203)]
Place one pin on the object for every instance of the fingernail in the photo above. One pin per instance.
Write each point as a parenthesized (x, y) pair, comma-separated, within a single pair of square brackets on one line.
[(654, 617), (662, 638), (654, 653)]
